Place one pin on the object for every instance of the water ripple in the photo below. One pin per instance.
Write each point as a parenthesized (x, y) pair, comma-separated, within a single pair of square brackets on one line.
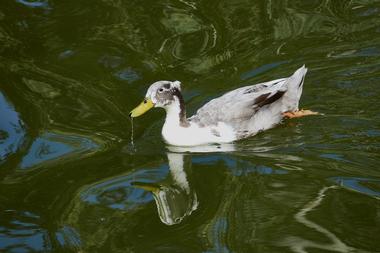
[(51, 147), (301, 245), (367, 186), (23, 232), (12, 130), (72, 70), (34, 4)]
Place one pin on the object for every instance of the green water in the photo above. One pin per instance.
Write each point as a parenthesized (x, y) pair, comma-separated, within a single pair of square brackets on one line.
[(70, 180)]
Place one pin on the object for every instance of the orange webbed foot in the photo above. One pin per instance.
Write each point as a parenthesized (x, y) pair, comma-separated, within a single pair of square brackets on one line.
[(298, 114)]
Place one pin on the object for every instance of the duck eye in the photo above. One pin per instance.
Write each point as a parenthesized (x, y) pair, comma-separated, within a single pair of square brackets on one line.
[(161, 90)]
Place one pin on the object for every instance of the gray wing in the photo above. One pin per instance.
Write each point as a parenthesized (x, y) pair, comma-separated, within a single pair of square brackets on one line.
[(240, 104)]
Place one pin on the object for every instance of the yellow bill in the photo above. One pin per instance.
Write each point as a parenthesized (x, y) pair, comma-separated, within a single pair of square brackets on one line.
[(142, 108)]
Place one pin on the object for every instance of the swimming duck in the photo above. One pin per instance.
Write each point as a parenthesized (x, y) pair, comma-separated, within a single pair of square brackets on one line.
[(238, 114)]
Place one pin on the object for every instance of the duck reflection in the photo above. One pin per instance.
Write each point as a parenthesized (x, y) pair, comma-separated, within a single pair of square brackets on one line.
[(174, 197)]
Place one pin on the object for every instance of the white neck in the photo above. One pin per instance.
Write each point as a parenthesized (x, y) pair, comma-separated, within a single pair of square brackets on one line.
[(173, 114)]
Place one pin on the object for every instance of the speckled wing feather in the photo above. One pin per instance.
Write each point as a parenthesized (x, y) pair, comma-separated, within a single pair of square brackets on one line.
[(239, 105)]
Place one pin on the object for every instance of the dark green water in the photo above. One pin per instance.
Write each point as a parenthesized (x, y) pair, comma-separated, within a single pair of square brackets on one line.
[(70, 72)]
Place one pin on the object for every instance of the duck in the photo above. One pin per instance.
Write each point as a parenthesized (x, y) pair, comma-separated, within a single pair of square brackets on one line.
[(236, 115)]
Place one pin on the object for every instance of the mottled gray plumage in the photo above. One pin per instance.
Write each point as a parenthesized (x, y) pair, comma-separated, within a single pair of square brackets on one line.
[(254, 108)]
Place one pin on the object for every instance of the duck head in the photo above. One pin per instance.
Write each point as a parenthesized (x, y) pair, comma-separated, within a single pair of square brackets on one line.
[(164, 94)]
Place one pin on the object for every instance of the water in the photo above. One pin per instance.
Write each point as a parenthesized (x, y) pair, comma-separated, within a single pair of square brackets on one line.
[(70, 180)]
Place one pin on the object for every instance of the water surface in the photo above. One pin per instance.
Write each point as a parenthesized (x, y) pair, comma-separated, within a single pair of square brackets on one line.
[(70, 181)]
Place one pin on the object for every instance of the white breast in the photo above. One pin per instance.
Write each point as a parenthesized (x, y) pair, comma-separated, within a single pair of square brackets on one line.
[(193, 135)]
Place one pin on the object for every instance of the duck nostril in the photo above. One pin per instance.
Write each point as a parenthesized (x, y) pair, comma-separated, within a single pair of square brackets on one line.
[(145, 101)]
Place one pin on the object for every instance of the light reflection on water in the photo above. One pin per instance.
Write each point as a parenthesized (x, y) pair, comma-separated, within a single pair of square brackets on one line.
[(24, 231), (52, 146), (12, 131), (119, 192), (34, 4), (301, 245), (360, 185)]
